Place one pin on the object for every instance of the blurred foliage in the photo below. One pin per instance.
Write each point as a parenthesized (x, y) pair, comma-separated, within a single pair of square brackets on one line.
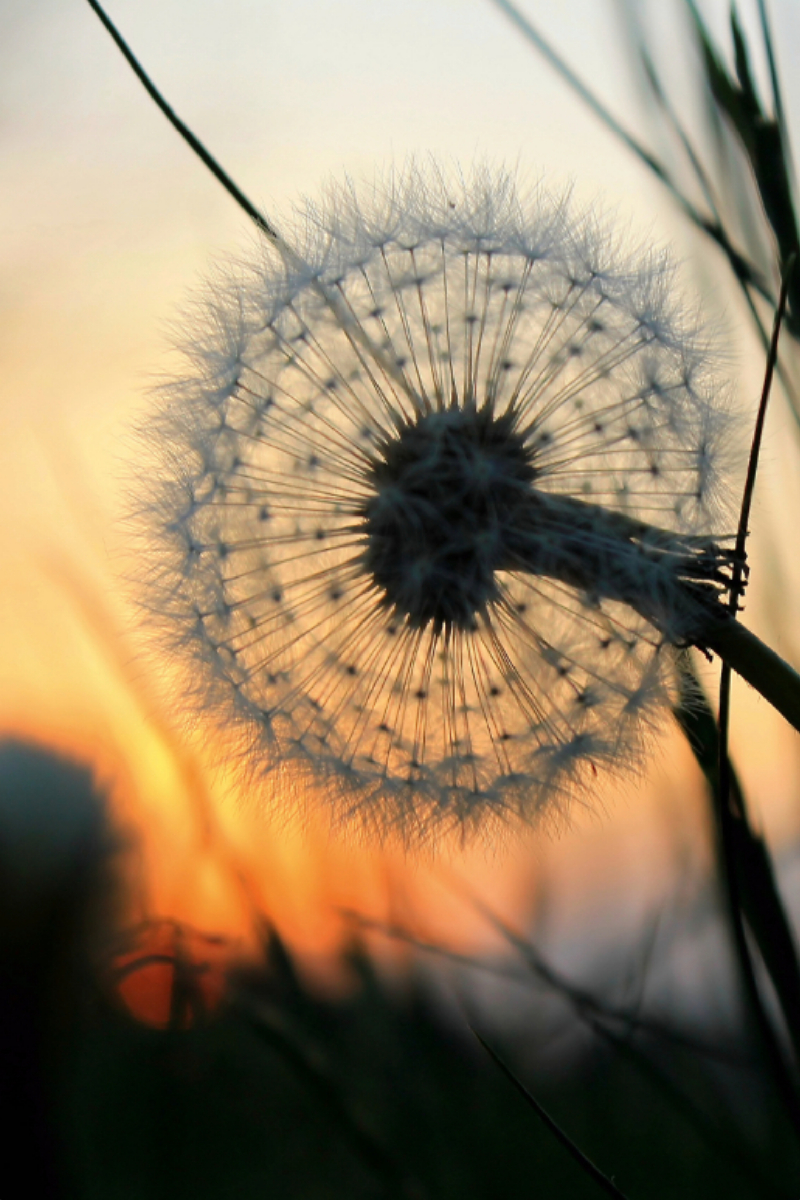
[(283, 1093), (275, 1090), (256, 1084)]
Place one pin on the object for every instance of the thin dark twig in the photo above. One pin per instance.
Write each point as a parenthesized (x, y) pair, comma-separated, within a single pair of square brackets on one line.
[(745, 271), (586, 1164), (351, 328), (761, 903), (185, 132), (680, 132), (602, 1020), (709, 1131), (758, 433), (786, 384), (707, 189), (580, 88), (726, 814), (585, 1003)]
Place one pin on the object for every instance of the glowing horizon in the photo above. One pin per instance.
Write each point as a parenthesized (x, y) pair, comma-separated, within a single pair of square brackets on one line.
[(108, 224)]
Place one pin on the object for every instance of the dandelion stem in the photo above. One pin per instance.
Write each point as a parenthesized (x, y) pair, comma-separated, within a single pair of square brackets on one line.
[(763, 669), (674, 580), (616, 570), (744, 652)]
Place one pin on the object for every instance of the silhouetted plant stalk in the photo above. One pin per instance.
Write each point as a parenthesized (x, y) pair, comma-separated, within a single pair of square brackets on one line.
[(746, 872), (602, 1181), (763, 137), (750, 888), (746, 868)]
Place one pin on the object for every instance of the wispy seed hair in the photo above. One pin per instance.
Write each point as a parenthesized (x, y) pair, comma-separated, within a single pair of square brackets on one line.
[(390, 497)]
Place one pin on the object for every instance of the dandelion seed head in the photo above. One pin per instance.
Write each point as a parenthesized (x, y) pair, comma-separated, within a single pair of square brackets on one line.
[(384, 522)]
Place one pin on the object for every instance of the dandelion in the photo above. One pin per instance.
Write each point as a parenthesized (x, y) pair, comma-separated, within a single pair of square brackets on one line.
[(438, 495)]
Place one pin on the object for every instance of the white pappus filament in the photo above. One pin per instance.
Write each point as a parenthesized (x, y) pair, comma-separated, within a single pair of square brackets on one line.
[(428, 499)]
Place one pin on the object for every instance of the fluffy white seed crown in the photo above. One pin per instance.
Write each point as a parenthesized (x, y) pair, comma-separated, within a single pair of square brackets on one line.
[(392, 484)]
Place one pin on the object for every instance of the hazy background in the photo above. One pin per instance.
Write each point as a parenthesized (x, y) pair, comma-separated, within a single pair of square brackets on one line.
[(107, 222)]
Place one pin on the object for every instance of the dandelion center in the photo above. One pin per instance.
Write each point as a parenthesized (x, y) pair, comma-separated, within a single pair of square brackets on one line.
[(429, 502), (445, 487)]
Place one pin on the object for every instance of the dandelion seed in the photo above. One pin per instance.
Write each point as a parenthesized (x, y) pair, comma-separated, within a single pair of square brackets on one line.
[(436, 500)]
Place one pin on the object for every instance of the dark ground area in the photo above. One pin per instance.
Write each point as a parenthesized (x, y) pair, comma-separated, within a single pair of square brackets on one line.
[(272, 1091)]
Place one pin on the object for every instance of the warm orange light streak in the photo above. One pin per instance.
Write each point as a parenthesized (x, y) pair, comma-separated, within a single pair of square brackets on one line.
[(106, 223), (205, 853), (209, 859)]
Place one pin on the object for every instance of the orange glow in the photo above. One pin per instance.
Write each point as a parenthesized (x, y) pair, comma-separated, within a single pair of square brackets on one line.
[(100, 247), (207, 867), (170, 975), (201, 854), (206, 856), (74, 675)]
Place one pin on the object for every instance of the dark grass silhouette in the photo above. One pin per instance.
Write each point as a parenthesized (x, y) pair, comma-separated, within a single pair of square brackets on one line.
[(276, 1091)]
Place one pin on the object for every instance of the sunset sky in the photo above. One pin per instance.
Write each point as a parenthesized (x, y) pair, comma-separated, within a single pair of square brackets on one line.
[(107, 224)]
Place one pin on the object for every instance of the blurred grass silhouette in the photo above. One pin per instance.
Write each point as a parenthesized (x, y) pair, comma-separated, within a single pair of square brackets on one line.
[(247, 1081)]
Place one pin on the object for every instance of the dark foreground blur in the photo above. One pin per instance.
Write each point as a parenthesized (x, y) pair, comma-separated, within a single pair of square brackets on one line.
[(249, 1084)]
